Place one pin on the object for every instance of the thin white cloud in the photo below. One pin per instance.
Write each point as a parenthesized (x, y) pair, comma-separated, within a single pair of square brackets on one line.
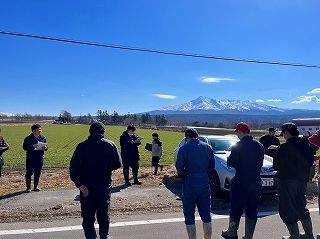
[(213, 79), (314, 91), (259, 101), (274, 100), (306, 99), (170, 97)]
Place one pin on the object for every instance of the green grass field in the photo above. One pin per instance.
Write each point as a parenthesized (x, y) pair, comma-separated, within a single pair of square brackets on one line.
[(62, 140)]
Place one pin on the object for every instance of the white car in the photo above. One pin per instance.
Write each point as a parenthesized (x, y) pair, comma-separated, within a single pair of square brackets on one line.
[(220, 178)]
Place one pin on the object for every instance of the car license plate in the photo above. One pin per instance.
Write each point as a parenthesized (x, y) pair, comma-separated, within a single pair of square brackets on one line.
[(267, 182)]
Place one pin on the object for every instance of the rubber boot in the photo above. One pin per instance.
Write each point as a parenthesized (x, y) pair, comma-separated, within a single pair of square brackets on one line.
[(232, 232), (28, 184), (307, 227), (161, 167), (293, 230), (35, 184), (249, 228), (91, 235), (191, 230), (155, 170), (103, 233), (207, 230), (136, 180), (126, 179)]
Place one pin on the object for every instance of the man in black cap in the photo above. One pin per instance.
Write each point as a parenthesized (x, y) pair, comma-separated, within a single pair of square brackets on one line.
[(270, 140), (91, 168), (194, 162), (129, 142), (292, 163)]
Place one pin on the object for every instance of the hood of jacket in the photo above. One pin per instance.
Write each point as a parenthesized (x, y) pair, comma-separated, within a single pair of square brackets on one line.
[(301, 143)]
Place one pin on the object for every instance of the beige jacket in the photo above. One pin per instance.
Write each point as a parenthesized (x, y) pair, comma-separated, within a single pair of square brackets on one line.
[(156, 149)]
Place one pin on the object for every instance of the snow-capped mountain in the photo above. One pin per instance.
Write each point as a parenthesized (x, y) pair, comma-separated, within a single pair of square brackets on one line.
[(205, 105)]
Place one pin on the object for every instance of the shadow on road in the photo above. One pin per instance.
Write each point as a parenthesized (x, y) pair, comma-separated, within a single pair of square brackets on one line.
[(173, 184), (10, 195)]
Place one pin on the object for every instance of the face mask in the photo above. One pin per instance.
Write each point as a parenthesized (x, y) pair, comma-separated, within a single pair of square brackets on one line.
[(130, 134)]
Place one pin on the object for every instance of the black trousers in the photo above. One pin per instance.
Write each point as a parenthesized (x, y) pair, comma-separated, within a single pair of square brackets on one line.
[(97, 203), (292, 201), (134, 164), (33, 167), (245, 196)]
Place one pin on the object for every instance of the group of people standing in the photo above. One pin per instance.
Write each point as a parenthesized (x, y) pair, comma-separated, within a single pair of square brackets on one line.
[(292, 160), (94, 160)]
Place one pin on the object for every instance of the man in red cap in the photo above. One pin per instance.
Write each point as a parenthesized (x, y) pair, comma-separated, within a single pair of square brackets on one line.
[(247, 158)]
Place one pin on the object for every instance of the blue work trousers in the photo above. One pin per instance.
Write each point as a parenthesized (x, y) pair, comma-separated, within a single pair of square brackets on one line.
[(245, 196), (97, 202), (196, 195)]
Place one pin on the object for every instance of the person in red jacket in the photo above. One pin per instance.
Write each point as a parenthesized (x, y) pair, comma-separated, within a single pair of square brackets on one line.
[(315, 140)]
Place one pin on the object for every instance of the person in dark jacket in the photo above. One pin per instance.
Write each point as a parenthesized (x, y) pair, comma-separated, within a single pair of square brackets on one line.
[(35, 144), (268, 140), (91, 169), (129, 142), (4, 146), (292, 163), (247, 158), (195, 161)]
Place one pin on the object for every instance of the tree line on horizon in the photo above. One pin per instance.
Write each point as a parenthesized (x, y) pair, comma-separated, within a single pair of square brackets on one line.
[(139, 119)]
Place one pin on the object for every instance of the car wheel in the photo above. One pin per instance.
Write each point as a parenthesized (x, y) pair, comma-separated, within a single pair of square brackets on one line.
[(215, 189)]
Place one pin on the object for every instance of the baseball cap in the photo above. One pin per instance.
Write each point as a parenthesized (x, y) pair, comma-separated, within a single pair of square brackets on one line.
[(272, 129), (242, 127), (306, 134), (191, 133), (96, 128), (291, 127)]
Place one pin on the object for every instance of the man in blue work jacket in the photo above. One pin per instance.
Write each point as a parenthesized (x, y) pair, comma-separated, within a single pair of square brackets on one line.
[(247, 158), (194, 162)]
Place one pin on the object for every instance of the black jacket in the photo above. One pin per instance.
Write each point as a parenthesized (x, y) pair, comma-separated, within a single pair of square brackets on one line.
[(129, 151), (34, 155), (93, 161), (268, 140), (294, 159)]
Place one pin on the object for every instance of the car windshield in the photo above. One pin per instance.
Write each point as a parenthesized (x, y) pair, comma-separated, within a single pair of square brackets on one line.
[(222, 145)]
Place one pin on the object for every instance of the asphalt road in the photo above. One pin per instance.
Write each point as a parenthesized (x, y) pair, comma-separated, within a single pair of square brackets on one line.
[(142, 225), (153, 226)]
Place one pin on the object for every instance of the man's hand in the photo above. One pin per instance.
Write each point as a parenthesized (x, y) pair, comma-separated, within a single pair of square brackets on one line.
[(84, 190)]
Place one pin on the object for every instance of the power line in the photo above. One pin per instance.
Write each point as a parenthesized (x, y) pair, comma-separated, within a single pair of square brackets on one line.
[(160, 51)]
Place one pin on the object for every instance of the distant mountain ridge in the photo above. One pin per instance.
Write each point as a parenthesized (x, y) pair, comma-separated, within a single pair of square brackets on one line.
[(205, 105)]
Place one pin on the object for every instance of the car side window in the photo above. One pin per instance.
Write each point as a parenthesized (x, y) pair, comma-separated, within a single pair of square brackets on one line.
[(202, 139)]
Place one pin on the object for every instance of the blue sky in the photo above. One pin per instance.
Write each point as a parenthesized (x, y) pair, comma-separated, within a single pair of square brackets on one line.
[(45, 77)]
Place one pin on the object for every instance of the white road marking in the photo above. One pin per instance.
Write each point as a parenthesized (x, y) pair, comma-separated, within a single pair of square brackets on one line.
[(123, 224)]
